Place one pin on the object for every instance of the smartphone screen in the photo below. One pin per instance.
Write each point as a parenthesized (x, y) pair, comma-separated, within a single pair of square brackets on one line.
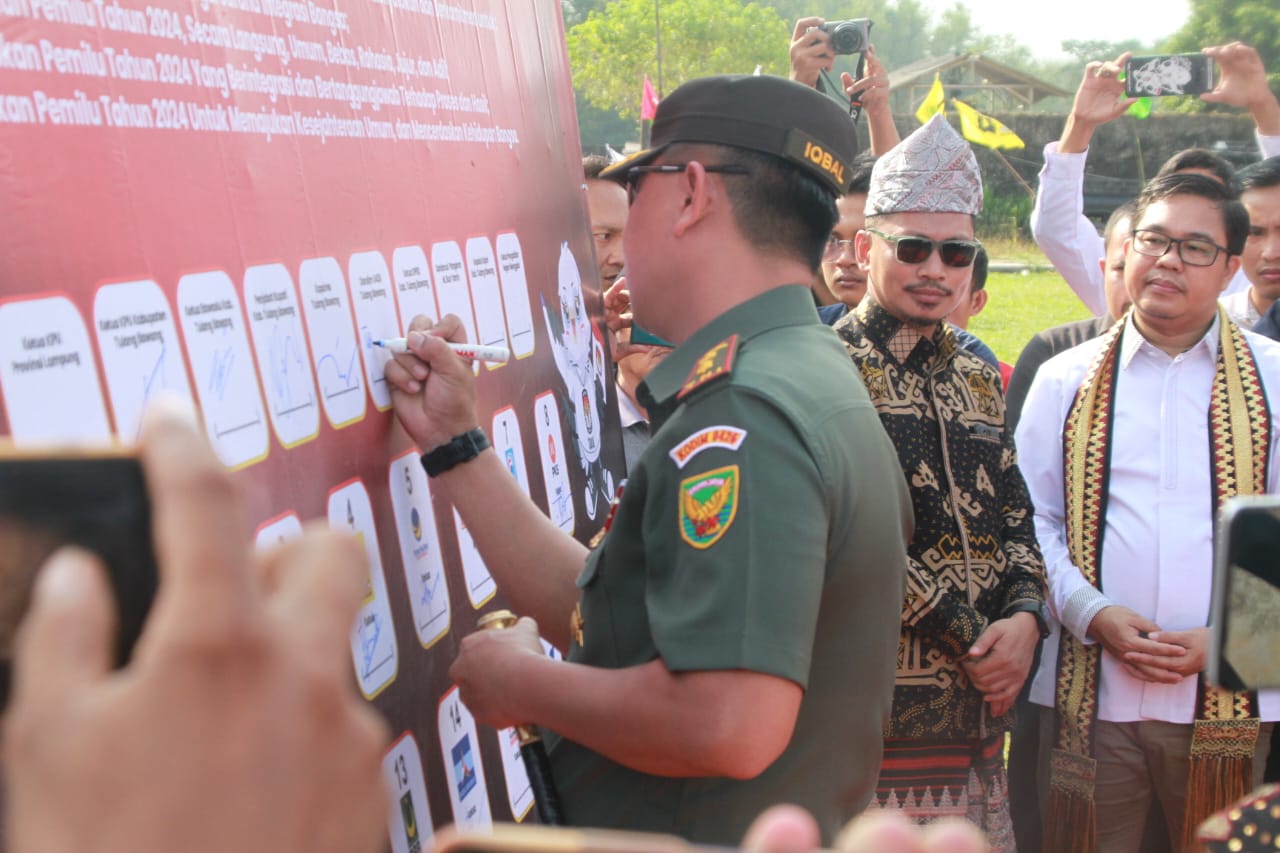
[(1170, 74), (96, 502)]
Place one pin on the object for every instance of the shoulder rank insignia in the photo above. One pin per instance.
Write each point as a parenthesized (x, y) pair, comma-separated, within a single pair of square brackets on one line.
[(708, 504), (715, 362)]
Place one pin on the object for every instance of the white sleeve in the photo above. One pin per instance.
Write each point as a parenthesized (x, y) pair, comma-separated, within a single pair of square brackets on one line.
[(1065, 235), (1073, 599), (1268, 145)]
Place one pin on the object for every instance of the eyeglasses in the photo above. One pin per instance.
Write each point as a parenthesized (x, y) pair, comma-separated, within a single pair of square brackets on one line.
[(916, 250), (631, 178), (835, 248), (1193, 251)]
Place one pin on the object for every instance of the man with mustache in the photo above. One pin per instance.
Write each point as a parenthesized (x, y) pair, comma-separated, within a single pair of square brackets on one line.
[(974, 608)]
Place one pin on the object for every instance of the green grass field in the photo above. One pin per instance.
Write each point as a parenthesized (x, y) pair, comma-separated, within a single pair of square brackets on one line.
[(1019, 306)]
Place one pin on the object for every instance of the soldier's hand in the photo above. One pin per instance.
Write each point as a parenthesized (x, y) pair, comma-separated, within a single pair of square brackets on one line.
[(478, 670), (432, 388)]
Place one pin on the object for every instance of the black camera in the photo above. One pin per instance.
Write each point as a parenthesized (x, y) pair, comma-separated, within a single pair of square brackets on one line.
[(849, 37)]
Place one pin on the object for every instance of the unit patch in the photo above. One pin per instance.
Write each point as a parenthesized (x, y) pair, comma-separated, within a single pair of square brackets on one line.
[(708, 504), (716, 436)]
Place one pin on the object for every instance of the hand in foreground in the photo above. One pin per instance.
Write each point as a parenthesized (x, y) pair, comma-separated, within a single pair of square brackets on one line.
[(790, 829), (234, 726), (998, 663), (479, 670), (432, 388), (811, 51)]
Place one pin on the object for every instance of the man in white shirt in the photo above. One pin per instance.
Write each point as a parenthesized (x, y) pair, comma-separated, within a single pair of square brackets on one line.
[(1067, 237), (1143, 417), (1259, 186)]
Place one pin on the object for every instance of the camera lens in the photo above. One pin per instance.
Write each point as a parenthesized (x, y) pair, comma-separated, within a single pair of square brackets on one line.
[(847, 38)]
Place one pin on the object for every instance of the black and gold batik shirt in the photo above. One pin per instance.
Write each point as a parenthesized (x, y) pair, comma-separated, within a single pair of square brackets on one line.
[(974, 551)]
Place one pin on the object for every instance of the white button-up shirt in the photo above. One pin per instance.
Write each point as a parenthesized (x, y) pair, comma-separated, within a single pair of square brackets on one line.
[(1157, 549)]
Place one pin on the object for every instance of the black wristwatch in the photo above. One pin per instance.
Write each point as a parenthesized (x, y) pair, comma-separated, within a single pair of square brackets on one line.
[(459, 449), (1038, 609)]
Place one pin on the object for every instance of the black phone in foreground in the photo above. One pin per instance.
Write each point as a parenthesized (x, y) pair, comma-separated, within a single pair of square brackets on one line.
[(93, 499)]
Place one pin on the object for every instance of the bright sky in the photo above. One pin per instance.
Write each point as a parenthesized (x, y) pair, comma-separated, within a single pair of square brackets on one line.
[(1043, 26)]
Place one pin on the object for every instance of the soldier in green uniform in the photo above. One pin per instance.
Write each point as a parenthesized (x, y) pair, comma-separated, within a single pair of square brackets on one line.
[(731, 640)]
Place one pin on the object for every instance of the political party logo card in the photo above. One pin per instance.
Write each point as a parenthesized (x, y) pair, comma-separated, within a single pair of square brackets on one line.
[(459, 746), (373, 638), (509, 444), (555, 464), (514, 773), (424, 570), (480, 585), (409, 814)]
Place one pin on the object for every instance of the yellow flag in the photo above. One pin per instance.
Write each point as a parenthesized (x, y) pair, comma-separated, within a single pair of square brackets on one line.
[(984, 130), (935, 102)]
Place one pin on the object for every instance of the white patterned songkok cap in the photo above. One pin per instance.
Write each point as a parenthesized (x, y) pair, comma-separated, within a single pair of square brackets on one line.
[(931, 171)]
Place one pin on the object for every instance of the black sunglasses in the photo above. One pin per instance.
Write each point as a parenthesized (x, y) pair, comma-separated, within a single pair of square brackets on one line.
[(631, 178), (916, 250)]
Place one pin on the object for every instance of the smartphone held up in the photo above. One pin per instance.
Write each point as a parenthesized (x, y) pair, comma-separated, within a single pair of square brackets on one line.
[(1169, 74), (96, 500)]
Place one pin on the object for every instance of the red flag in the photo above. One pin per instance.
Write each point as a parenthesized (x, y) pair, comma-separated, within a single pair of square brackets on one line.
[(648, 101)]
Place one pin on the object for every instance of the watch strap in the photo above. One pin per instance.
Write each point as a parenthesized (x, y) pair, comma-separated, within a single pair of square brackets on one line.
[(457, 450), (1038, 609)]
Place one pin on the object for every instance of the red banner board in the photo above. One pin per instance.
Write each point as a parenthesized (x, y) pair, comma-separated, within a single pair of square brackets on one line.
[(229, 200)]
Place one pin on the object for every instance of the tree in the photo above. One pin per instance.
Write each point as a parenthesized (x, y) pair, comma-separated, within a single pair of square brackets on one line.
[(576, 11), (615, 47), (1254, 22), (954, 33), (1087, 50)]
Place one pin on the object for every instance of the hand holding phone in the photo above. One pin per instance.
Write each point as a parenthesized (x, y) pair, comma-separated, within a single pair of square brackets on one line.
[(235, 725), (96, 500)]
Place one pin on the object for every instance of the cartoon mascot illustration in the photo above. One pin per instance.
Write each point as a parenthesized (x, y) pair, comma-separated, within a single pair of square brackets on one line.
[(579, 355)]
